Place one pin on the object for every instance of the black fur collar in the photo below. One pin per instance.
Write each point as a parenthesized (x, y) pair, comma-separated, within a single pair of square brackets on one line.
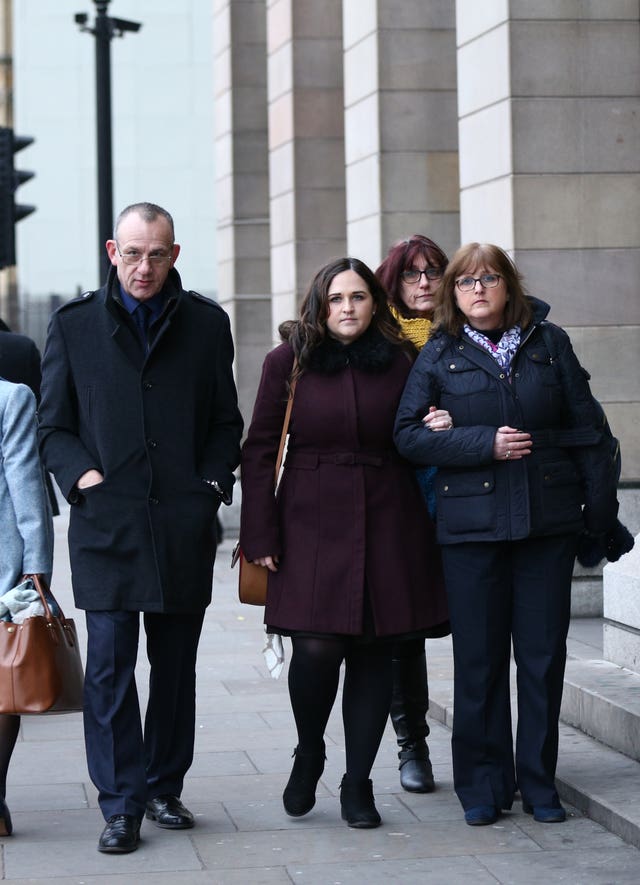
[(371, 352)]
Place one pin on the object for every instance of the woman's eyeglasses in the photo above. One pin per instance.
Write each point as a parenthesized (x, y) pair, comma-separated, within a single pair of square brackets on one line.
[(431, 273), (487, 281)]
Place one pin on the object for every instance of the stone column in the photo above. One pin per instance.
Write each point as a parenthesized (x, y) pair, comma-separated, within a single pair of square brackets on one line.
[(242, 185), (400, 124), (549, 105), (306, 145)]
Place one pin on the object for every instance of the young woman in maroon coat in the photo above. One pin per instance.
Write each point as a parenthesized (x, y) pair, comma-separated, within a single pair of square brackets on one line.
[(348, 541)]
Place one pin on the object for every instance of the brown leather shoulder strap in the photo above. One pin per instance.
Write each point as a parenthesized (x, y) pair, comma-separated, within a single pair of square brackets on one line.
[(285, 427)]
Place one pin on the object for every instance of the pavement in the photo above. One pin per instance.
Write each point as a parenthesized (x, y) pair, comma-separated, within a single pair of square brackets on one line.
[(245, 736)]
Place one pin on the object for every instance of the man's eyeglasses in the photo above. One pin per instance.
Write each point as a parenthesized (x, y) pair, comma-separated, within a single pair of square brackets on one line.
[(431, 273), (487, 281), (133, 256)]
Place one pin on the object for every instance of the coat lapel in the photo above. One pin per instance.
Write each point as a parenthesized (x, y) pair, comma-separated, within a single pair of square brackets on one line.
[(123, 335)]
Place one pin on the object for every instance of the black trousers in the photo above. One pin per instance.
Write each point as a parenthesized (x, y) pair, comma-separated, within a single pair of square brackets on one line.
[(499, 593), (129, 766)]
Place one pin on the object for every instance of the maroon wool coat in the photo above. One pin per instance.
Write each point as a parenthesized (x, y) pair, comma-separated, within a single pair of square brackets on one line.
[(348, 511)]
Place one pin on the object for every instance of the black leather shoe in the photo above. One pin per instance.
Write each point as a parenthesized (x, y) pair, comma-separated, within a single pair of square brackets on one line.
[(121, 834), (6, 827), (169, 812)]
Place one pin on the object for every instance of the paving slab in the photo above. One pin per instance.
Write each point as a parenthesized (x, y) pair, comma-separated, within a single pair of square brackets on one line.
[(244, 738), (587, 867)]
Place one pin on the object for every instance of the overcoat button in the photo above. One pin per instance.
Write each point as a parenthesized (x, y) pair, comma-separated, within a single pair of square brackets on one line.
[(152, 443), (147, 385), (486, 485), (446, 488), (153, 501), (452, 365)]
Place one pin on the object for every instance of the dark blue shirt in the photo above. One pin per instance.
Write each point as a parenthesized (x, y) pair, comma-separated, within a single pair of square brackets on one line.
[(155, 304)]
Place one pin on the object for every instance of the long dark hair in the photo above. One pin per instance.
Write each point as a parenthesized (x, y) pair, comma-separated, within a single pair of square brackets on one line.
[(308, 332), (402, 256), (448, 316)]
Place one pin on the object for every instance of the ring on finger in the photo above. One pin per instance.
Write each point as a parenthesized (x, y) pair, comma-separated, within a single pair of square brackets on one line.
[(508, 455)]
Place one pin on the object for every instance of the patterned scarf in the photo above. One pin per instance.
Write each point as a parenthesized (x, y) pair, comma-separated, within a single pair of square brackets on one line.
[(502, 352)]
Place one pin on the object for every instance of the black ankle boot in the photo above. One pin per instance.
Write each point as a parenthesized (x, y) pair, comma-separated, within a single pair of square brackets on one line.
[(299, 795), (416, 773), (357, 804), (409, 705)]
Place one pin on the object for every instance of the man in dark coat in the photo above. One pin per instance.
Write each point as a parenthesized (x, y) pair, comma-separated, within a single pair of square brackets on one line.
[(139, 423)]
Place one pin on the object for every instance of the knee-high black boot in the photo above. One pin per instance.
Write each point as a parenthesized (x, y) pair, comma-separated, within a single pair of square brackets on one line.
[(409, 705)]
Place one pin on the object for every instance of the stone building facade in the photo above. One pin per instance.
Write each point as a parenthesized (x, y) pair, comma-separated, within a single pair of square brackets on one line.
[(345, 125)]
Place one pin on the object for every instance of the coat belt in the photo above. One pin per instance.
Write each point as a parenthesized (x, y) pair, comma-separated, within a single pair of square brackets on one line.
[(309, 460)]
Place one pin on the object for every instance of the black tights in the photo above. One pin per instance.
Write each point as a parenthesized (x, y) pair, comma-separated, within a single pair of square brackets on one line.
[(9, 728), (314, 674)]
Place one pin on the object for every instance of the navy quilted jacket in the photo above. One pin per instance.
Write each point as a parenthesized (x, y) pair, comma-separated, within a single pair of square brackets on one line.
[(566, 484)]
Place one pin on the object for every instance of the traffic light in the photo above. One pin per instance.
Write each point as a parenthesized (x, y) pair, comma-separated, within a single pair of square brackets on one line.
[(10, 180)]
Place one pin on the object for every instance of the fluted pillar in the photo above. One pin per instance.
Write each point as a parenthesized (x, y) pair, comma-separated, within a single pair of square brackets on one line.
[(306, 145), (242, 166), (400, 124), (549, 104)]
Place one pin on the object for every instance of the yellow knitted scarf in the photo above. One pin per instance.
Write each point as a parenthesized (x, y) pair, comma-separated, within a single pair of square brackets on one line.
[(416, 329)]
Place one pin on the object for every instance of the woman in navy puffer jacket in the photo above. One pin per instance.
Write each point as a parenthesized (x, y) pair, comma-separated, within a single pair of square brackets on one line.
[(524, 470)]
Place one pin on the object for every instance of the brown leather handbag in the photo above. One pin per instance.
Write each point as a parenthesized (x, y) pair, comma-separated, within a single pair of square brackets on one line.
[(40, 665), (252, 578)]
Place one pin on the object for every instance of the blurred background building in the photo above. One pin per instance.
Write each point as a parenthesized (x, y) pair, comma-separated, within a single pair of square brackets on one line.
[(162, 98), (282, 133)]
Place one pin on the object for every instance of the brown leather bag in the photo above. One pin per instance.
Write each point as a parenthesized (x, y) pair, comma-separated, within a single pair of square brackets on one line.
[(252, 578), (40, 665)]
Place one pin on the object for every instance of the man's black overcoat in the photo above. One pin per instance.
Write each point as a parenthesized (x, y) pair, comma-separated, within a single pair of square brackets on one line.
[(155, 427)]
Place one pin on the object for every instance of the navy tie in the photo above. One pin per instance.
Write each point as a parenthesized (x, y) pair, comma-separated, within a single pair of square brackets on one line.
[(142, 316)]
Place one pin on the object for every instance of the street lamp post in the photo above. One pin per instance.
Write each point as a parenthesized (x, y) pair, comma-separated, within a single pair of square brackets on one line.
[(104, 29)]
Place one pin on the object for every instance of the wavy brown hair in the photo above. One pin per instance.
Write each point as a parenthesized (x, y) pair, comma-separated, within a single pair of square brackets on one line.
[(310, 330), (402, 256), (447, 315)]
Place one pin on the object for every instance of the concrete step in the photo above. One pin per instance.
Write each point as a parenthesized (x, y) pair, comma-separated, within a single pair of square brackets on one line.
[(603, 701)]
